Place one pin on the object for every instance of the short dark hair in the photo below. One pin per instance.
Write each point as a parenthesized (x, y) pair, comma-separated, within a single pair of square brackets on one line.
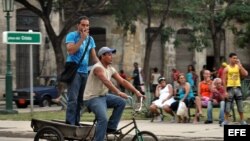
[(82, 18), (155, 69), (232, 54)]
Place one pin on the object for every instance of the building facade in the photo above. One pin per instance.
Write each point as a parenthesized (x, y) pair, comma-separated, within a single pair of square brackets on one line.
[(130, 48)]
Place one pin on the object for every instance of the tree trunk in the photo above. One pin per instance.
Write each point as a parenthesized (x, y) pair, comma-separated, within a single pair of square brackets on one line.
[(146, 69), (217, 48), (60, 60)]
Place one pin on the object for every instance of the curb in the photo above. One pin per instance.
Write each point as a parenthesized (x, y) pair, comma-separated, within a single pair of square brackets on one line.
[(17, 134)]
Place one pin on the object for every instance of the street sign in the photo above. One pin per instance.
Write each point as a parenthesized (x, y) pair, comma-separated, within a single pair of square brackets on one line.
[(15, 37)]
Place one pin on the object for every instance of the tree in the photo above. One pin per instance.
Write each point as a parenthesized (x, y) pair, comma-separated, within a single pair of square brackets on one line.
[(44, 12), (211, 16), (76, 9), (129, 11), (240, 11)]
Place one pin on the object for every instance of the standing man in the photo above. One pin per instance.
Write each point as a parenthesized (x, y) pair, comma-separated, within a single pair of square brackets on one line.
[(97, 97), (76, 42), (232, 83), (138, 78)]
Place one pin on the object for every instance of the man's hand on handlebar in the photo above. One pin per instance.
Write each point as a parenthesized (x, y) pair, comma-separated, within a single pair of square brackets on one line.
[(139, 95), (123, 95)]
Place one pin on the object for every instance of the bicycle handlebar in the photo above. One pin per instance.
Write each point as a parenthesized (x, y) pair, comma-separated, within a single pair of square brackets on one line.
[(137, 107)]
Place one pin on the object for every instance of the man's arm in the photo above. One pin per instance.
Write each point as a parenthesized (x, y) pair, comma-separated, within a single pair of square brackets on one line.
[(243, 71), (93, 55), (72, 47), (126, 84), (99, 72)]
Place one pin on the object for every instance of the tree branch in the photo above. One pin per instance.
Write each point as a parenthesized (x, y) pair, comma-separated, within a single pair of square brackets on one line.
[(77, 13)]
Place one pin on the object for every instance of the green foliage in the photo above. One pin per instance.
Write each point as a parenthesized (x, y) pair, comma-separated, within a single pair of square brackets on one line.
[(166, 34), (198, 42), (126, 13), (245, 88), (239, 11), (195, 15), (242, 36)]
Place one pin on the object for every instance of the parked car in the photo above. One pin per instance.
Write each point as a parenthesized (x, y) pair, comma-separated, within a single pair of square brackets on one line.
[(42, 96)]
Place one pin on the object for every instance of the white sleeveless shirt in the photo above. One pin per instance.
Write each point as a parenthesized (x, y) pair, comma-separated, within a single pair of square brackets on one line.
[(94, 86)]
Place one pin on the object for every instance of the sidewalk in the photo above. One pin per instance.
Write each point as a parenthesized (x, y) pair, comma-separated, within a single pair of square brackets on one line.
[(163, 130)]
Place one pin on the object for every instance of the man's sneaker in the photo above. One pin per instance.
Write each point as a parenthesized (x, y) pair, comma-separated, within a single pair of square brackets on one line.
[(220, 122), (113, 131), (243, 122), (224, 123), (208, 122)]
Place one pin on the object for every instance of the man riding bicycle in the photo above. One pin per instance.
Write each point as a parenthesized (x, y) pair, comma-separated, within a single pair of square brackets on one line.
[(97, 97)]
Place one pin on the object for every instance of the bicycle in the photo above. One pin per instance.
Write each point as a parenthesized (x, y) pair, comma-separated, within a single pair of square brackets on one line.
[(56, 130), (139, 135)]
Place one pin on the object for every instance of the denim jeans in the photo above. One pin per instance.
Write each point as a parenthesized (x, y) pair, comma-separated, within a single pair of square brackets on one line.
[(98, 106), (75, 98), (210, 111)]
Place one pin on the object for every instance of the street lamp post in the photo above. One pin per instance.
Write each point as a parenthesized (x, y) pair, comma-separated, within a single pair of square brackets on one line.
[(8, 6)]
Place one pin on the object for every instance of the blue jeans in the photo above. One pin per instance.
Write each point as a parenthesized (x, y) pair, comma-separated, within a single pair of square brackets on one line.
[(210, 111), (98, 106), (75, 98)]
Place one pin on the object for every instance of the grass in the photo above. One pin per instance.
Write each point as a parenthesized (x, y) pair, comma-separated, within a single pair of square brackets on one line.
[(60, 115)]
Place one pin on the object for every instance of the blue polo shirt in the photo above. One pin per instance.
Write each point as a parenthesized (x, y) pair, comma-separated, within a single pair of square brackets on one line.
[(74, 37)]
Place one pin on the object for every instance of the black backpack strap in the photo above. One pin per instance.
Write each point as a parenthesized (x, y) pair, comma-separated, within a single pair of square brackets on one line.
[(86, 48)]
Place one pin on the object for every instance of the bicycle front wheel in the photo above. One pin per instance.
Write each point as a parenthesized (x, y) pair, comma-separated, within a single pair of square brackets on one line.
[(145, 136)]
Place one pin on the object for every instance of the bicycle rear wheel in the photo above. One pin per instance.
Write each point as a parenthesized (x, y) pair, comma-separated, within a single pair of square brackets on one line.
[(145, 136), (49, 133)]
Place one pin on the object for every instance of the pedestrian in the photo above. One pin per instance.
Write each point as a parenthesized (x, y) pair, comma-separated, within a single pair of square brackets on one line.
[(232, 83), (76, 42), (220, 70), (192, 77), (97, 97), (138, 78), (154, 82), (124, 76), (204, 67), (214, 73)]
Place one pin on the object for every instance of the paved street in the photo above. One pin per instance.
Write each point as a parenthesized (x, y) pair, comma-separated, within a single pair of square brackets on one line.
[(15, 139), (163, 130)]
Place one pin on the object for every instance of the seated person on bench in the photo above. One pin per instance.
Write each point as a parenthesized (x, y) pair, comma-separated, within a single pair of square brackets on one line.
[(186, 95), (217, 98), (204, 88), (165, 93)]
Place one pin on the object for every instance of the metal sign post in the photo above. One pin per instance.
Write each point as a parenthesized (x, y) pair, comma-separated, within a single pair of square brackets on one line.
[(28, 38)]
